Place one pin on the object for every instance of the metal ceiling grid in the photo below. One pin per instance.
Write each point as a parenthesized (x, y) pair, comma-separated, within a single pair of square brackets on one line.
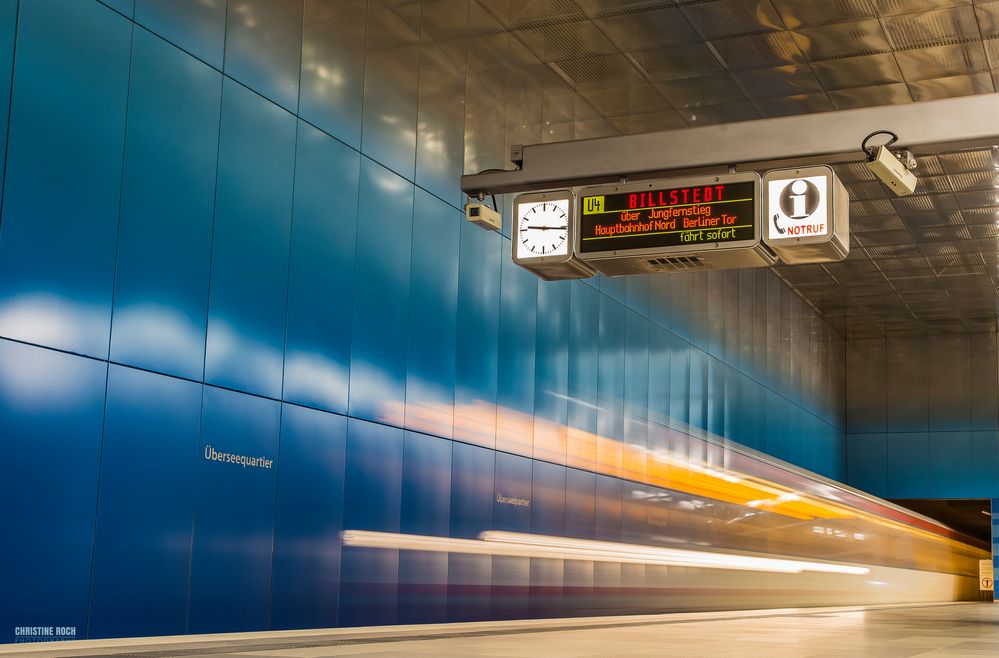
[(927, 262)]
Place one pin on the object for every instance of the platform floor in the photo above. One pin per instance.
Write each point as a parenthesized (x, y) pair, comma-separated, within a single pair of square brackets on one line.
[(963, 629)]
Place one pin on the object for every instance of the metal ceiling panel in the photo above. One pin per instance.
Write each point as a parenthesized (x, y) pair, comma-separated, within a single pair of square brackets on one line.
[(874, 207), (929, 165), (722, 18), (681, 61), (798, 13), (932, 28), (842, 39), (892, 94), (780, 81), (875, 223), (951, 87), (713, 89), (664, 26), (889, 7), (938, 233), (986, 199), (985, 232), (967, 161), (758, 50), (712, 114), (632, 124), (598, 72), (927, 219), (599, 8), (924, 203), (974, 216), (616, 101), (528, 13), (988, 18), (929, 184), (799, 104), (861, 71), (551, 43), (941, 61), (978, 180)]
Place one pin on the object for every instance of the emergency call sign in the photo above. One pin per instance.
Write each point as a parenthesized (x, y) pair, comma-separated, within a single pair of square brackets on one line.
[(668, 216), (797, 208)]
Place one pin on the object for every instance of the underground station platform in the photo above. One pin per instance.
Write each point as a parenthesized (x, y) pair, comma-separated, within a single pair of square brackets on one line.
[(499, 327)]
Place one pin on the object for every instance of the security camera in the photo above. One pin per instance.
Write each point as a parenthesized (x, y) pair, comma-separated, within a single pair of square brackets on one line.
[(893, 169), (483, 216)]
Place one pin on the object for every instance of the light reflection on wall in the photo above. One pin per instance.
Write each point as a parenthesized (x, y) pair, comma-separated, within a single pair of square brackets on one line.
[(692, 471)]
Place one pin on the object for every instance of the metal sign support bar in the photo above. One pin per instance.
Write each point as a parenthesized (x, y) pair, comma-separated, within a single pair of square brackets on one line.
[(827, 137)]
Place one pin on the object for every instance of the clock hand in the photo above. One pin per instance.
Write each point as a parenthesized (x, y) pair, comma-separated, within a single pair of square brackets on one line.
[(543, 228)]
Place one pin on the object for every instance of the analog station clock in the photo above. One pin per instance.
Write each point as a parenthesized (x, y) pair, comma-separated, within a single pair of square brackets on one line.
[(543, 235), (543, 228)]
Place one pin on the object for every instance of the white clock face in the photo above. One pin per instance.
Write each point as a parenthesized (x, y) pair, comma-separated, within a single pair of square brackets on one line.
[(543, 228)]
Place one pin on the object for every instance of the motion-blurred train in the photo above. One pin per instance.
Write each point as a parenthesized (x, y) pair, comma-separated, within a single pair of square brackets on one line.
[(695, 523)]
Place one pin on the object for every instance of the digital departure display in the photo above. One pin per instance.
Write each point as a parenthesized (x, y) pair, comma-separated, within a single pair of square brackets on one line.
[(665, 216)]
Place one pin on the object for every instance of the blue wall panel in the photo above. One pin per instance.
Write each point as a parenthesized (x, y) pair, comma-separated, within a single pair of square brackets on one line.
[(389, 125), (381, 294), (321, 272), (126, 7), (426, 506), (432, 317), (950, 464), (985, 448), (234, 522), (551, 370), (679, 380), (197, 26), (476, 337), (373, 492), (698, 414), (866, 464), (636, 384), (246, 313), (142, 556), (168, 195), (62, 188), (51, 411), (659, 376), (907, 457), (715, 397), (263, 47), (515, 375), (584, 340), (472, 500), (548, 511), (510, 591), (308, 519), (610, 381), (8, 30), (332, 75)]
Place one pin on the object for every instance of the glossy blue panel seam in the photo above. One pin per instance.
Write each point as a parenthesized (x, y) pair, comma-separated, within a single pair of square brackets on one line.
[(204, 354), (107, 371), (114, 9), (284, 351), (299, 118), (364, 73), (10, 105)]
